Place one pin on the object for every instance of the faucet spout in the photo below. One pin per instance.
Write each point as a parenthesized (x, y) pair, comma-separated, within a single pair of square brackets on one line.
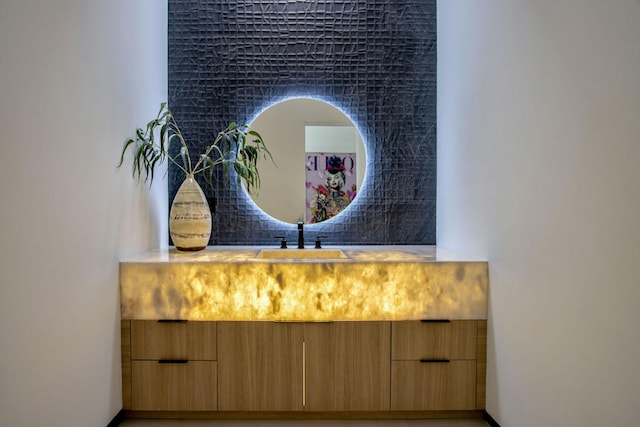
[(300, 235)]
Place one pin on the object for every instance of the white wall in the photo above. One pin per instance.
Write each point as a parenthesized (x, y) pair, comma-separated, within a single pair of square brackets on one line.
[(539, 172), (76, 78)]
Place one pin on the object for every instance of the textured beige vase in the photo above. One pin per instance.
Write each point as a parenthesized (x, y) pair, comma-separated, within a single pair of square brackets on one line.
[(190, 217)]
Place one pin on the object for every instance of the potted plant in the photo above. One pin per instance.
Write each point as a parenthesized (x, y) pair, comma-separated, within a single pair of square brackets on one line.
[(190, 218)]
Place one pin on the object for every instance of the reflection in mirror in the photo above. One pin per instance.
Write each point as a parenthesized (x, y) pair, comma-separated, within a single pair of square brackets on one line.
[(319, 160)]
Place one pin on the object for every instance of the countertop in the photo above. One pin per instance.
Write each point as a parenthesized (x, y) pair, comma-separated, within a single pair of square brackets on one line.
[(370, 283)]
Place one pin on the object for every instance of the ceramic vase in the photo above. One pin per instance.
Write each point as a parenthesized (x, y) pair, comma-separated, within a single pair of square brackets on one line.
[(190, 217)]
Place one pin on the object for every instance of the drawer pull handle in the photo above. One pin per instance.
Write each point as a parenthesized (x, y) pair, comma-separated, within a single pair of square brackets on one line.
[(172, 321), (173, 361), (434, 360), (435, 321)]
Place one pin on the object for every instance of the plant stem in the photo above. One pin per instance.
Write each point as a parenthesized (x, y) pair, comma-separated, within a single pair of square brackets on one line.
[(186, 172)]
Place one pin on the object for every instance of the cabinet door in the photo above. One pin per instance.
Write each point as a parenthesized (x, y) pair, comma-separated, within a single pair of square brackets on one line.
[(347, 366), (260, 366)]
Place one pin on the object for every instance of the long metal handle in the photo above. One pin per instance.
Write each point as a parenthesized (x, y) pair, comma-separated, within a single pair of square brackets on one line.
[(173, 361), (304, 374), (172, 321), (435, 321)]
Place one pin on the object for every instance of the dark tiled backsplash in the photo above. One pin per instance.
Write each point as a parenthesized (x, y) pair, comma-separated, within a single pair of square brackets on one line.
[(374, 59)]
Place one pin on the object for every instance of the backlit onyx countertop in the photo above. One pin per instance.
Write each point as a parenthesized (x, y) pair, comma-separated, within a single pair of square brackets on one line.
[(334, 283)]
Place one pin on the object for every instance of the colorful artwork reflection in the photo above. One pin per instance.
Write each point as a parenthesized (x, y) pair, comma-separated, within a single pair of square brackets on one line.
[(331, 184)]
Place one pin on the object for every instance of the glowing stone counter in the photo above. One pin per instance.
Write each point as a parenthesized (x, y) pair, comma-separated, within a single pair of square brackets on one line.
[(369, 283)]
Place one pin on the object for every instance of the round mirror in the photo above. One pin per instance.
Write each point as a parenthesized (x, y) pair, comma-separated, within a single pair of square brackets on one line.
[(319, 158)]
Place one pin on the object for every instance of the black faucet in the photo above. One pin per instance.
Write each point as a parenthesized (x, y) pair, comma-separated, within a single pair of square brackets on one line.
[(300, 235)]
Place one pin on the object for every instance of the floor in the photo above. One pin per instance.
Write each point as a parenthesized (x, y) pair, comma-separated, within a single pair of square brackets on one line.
[(293, 423)]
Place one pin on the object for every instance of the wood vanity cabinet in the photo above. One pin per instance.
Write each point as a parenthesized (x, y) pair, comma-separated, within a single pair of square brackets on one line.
[(369, 367), (334, 366), (171, 365)]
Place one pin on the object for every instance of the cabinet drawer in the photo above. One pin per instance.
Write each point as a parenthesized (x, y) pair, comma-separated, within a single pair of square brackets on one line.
[(419, 386), (415, 340), (155, 340), (189, 386)]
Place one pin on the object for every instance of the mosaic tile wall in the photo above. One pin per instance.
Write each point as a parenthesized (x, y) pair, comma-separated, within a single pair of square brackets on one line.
[(373, 59)]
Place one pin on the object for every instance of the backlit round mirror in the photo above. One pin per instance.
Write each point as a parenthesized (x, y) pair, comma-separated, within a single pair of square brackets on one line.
[(319, 160)]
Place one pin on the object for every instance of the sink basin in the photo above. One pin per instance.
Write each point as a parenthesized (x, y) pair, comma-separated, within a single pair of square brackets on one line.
[(301, 254)]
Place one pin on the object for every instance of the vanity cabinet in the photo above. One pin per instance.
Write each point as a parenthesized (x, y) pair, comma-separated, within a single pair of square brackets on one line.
[(171, 365), (438, 365), (334, 366), (263, 366), (262, 339)]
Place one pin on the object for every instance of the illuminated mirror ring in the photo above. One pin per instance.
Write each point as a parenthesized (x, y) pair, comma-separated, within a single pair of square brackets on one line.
[(320, 161)]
